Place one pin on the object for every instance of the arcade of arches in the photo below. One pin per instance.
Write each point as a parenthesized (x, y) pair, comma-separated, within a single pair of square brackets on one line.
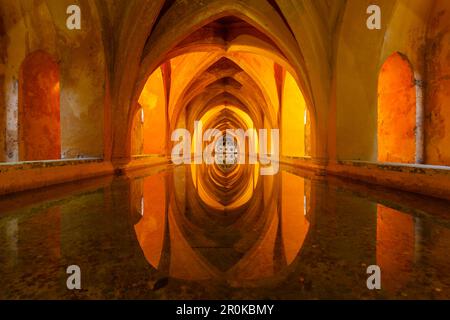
[(371, 106), (108, 96)]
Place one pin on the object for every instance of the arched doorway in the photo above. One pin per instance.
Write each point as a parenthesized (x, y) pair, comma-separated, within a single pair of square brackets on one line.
[(39, 108), (397, 111)]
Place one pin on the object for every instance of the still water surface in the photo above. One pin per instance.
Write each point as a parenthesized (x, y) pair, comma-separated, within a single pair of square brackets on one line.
[(202, 233)]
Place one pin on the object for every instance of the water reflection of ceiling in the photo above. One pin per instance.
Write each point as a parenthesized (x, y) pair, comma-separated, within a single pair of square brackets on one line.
[(195, 227)]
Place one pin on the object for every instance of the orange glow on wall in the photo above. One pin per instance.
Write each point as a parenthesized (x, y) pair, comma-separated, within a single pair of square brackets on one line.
[(396, 111), (39, 108), (153, 102), (293, 119)]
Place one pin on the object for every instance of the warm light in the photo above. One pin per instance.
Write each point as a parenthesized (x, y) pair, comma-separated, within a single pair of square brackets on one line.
[(293, 112), (151, 138), (396, 101)]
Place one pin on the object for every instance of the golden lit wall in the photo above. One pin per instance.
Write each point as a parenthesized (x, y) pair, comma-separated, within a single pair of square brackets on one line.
[(396, 111), (293, 123), (153, 102)]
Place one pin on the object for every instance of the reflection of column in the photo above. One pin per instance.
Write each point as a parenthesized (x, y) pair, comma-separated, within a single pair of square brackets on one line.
[(295, 226), (437, 245), (12, 238), (395, 247), (309, 200), (45, 226), (185, 261), (150, 228), (418, 231), (136, 195)]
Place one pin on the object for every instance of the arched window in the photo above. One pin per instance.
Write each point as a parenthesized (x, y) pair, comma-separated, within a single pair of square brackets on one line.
[(397, 111), (39, 108)]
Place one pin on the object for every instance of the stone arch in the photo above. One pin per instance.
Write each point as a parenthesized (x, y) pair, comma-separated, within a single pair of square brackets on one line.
[(32, 29), (357, 70), (159, 47), (266, 105)]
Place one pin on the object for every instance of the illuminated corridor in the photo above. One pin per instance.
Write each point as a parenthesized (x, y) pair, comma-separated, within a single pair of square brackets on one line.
[(224, 149)]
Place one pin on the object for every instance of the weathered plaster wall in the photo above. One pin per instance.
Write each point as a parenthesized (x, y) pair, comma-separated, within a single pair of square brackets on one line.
[(437, 109), (356, 72), (3, 61), (27, 28), (360, 55), (83, 74), (39, 114), (41, 25)]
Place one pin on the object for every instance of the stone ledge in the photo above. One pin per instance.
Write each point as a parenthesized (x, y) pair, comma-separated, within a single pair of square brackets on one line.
[(427, 180), (26, 165), (306, 163), (16, 177), (142, 162)]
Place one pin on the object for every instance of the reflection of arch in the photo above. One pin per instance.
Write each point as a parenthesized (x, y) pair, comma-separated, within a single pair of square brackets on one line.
[(397, 99), (271, 239), (39, 108)]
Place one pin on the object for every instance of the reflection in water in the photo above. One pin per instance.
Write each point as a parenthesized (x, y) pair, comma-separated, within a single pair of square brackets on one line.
[(212, 232), (395, 246), (232, 226)]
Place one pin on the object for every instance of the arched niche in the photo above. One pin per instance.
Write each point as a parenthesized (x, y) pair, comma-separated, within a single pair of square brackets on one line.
[(397, 111), (39, 108)]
